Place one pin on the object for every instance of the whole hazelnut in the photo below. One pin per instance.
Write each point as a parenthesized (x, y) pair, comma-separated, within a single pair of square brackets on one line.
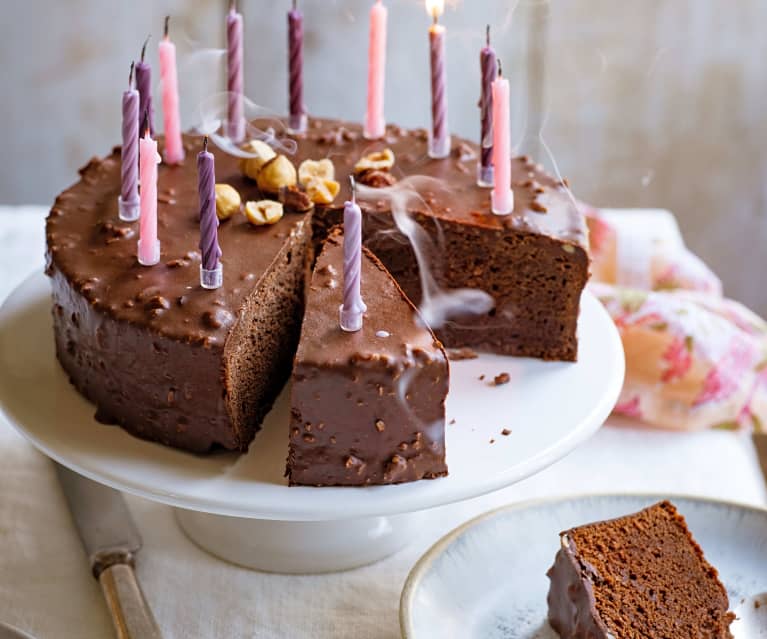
[(275, 174)]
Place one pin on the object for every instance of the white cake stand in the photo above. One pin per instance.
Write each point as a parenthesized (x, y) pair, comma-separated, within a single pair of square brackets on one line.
[(240, 508)]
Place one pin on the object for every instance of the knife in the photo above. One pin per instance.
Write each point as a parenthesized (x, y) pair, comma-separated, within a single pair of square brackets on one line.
[(111, 540)]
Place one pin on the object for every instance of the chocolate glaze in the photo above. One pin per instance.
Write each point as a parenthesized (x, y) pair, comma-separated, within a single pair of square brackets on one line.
[(367, 407), (166, 359)]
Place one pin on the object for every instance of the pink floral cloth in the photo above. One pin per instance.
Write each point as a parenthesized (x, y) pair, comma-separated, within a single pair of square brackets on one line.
[(694, 359)]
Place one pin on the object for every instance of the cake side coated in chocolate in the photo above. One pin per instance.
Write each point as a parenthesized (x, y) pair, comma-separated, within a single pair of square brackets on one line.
[(642, 576), (158, 354), (367, 407)]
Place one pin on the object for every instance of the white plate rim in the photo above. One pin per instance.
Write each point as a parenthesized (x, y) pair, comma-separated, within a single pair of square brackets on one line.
[(583, 430), (419, 569)]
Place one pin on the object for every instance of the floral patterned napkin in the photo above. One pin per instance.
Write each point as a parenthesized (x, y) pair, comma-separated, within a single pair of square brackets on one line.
[(694, 359)]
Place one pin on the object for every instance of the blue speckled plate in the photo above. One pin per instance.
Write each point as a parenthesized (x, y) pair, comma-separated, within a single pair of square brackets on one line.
[(487, 579)]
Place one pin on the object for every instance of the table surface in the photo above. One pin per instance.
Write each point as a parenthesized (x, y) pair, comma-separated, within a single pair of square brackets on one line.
[(46, 588)]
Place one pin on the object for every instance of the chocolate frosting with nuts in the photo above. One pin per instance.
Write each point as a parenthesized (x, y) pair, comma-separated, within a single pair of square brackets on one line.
[(155, 351)]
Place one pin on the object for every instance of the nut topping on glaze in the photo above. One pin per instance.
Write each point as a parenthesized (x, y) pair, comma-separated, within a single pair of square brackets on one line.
[(376, 178), (315, 169), (322, 190), (294, 199), (275, 174), (250, 167), (263, 212), (377, 161), (380, 426), (228, 201)]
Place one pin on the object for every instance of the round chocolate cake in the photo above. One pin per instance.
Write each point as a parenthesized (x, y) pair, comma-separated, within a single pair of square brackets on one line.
[(195, 369)]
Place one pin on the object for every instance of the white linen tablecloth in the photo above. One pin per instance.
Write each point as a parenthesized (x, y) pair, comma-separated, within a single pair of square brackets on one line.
[(46, 587)]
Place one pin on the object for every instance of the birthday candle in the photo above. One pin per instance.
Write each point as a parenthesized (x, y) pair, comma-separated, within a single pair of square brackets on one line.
[(174, 149), (502, 197), (149, 158), (235, 129), (489, 68), (296, 70), (375, 124), (144, 86), (350, 313), (211, 270), (128, 200), (439, 140)]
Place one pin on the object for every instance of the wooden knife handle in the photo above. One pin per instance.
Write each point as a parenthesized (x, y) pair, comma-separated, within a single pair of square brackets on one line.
[(130, 612)]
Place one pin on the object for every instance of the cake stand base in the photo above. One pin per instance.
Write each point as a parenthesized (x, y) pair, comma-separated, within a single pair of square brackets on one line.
[(299, 547)]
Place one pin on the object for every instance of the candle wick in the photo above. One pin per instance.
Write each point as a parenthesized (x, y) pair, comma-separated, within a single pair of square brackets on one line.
[(435, 17), (130, 75), (145, 121), (232, 6), (143, 48), (295, 4), (205, 144), (500, 68), (354, 188), (487, 35), (165, 32)]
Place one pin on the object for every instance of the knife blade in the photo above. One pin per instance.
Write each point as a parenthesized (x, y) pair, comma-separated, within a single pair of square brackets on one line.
[(111, 541)]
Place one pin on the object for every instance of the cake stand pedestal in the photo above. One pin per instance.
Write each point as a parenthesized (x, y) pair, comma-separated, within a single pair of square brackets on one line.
[(240, 508), (299, 547)]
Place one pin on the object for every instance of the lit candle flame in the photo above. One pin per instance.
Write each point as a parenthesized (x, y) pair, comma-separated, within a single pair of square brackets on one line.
[(435, 8)]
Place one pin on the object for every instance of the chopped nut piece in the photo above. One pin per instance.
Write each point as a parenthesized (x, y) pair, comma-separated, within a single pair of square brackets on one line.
[(275, 174), (503, 378), (294, 199), (380, 426), (228, 201), (322, 191), (376, 178), (379, 160), (263, 212), (263, 152), (506, 432), (316, 169)]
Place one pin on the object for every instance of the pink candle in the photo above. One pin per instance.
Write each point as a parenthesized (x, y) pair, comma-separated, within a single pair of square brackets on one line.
[(375, 124), (174, 149), (503, 196), (235, 128), (149, 158)]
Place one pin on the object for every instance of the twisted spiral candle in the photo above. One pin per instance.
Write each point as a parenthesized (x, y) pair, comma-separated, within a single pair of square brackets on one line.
[(144, 86), (235, 128), (128, 202), (439, 146), (489, 66), (296, 69), (206, 188), (353, 307)]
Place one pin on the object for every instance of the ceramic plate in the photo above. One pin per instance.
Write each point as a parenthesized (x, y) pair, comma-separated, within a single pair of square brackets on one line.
[(550, 408), (487, 579), (9, 632)]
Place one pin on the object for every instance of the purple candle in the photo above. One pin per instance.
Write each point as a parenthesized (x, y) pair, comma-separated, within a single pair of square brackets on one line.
[(144, 86), (211, 270), (128, 200), (235, 127), (489, 65), (439, 140), (296, 70), (350, 314)]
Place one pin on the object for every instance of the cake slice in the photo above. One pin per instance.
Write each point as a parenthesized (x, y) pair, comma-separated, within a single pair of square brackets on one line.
[(367, 407), (642, 576)]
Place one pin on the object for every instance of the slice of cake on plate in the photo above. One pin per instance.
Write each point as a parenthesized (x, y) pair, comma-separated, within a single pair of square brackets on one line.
[(368, 407), (642, 576)]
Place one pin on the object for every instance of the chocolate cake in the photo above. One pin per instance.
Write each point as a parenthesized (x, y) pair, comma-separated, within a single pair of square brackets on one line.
[(195, 369), (367, 407), (642, 576)]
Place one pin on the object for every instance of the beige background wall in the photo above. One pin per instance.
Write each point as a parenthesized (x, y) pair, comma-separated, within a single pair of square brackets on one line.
[(649, 103)]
